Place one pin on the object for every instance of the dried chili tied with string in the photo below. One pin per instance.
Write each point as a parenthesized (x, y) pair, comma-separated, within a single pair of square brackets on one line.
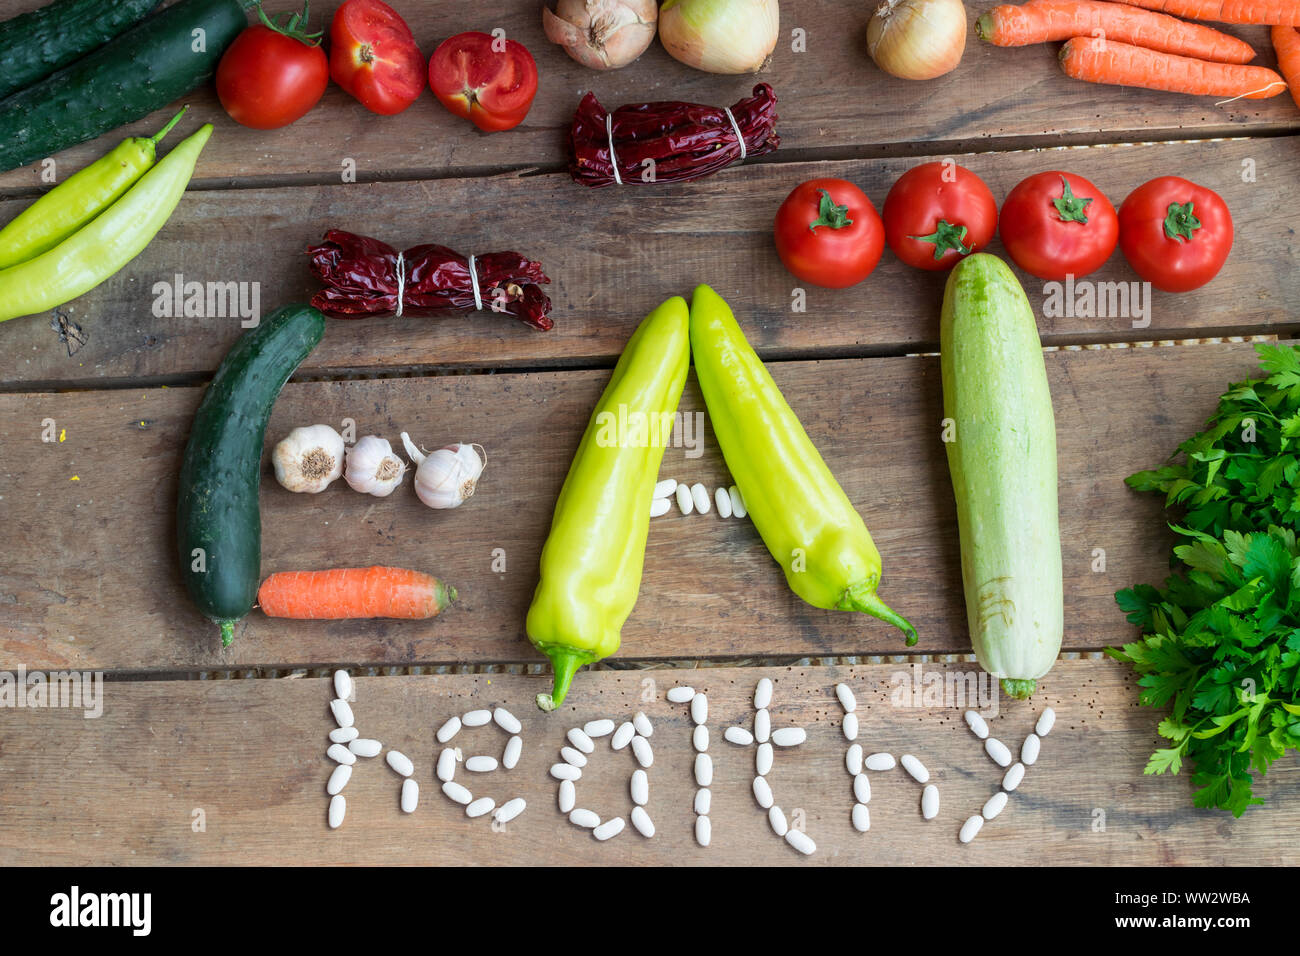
[(668, 142), (364, 276)]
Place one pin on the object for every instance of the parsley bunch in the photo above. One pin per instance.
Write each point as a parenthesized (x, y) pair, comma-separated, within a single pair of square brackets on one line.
[(1220, 642)]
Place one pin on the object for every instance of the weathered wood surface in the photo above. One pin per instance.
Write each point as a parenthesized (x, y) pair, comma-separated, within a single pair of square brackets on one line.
[(832, 98), (91, 579), (245, 759), (612, 256)]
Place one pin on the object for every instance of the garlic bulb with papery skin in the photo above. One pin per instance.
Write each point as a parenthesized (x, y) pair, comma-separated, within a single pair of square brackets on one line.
[(602, 34), (446, 477), (372, 468), (308, 459), (720, 36)]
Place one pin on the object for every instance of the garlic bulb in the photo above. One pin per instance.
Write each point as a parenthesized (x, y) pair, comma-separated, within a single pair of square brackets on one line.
[(372, 468), (308, 459), (720, 36), (602, 34), (445, 478)]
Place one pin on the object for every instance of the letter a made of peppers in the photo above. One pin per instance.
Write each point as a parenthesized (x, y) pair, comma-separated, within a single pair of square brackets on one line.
[(793, 499), (592, 560)]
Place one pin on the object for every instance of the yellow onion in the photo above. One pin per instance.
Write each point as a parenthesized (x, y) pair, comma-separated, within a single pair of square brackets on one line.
[(720, 36), (602, 34), (917, 39)]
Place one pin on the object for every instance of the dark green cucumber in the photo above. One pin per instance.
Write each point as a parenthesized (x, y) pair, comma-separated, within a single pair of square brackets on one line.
[(218, 524), (147, 67), (34, 45)]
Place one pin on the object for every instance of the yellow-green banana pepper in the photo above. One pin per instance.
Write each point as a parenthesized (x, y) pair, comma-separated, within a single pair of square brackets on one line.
[(79, 198), (592, 560), (799, 509)]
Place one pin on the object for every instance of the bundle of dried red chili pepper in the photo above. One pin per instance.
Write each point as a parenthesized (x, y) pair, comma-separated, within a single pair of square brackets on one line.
[(364, 276), (668, 142)]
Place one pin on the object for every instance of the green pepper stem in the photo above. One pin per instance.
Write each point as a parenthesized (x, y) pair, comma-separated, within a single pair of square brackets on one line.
[(1019, 689), (157, 137), (565, 662), (227, 632), (864, 599)]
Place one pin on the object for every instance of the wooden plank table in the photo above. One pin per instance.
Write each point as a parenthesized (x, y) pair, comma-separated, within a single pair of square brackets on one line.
[(210, 755)]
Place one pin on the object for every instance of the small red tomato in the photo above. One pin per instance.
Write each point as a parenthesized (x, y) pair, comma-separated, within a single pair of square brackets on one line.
[(272, 75), (828, 233), (938, 213), (373, 56), (1174, 233), (1056, 224), (491, 81)]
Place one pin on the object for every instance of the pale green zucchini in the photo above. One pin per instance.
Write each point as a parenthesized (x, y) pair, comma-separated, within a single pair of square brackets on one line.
[(1002, 458)]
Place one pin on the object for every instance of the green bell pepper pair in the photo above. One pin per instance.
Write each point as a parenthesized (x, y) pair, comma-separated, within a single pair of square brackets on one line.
[(592, 561)]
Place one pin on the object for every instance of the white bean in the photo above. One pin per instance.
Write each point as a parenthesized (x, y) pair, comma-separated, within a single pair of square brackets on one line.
[(699, 708), (703, 831), (776, 817), (480, 806), (446, 764), (994, 805), (338, 779), (477, 718), (763, 758), (800, 841), (514, 747), (340, 754), (598, 728), (853, 760), (738, 735), (338, 807), (763, 694), (723, 501), (685, 503), (343, 735), (703, 770), (976, 724), (342, 712), (410, 795), (861, 817), (609, 829), (789, 736), (623, 736), (365, 747), (700, 497), (881, 761), (930, 802), (970, 828), (641, 820), (737, 502), (850, 725), (862, 788), (1029, 750), (762, 726), (915, 768), (565, 771), (342, 685), (581, 739), (681, 694), (640, 788), (700, 738), (582, 817), (506, 720), (703, 801), (847, 699), (642, 724), (568, 796), (1046, 721), (481, 764), (763, 792), (641, 748), (1011, 779), (660, 506), (448, 730), (665, 488), (400, 762), (509, 810), (457, 793), (998, 751), (574, 756)]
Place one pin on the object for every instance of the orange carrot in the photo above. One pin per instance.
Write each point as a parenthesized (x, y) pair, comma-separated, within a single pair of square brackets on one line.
[(353, 593), (1042, 21), (1268, 12), (1286, 41), (1106, 61)]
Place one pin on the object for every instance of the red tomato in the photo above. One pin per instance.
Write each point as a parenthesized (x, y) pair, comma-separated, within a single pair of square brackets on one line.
[(1174, 233), (1056, 224), (937, 213), (374, 56), (488, 80), (268, 79), (828, 233)]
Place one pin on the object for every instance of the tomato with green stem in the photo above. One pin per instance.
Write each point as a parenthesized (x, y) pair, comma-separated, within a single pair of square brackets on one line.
[(1055, 224), (828, 233), (938, 213), (1175, 234), (488, 80), (374, 56), (274, 72)]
